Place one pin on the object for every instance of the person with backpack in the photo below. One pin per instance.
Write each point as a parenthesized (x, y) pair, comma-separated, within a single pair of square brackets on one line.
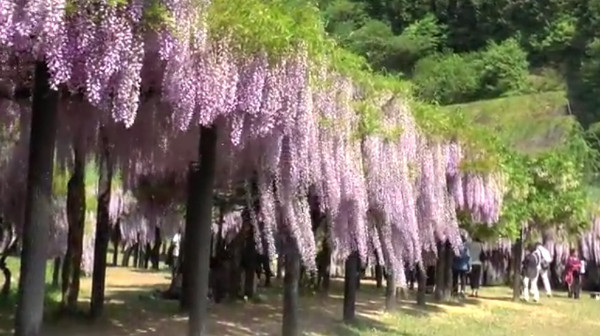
[(460, 269), (544, 268)]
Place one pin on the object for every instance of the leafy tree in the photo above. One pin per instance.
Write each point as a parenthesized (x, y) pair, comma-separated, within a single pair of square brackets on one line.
[(420, 39), (342, 17), (447, 78), (504, 69)]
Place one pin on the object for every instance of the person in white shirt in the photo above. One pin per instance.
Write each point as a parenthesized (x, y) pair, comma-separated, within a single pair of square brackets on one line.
[(545, 267), (176, 241)]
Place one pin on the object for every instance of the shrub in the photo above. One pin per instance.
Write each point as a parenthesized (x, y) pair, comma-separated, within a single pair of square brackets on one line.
[(504, 69), (447, 78)]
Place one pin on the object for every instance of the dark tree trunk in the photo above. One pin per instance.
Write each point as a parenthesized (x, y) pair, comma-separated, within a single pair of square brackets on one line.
[(235, 267), (249, 285), (291, 318), (266, 265), (350, 281), (422, 285), (188, 248), (147, 256), (440, 277), (390, 291), (7, 236), (7, 277), (156, 249), (448, 271), (199, 233), (379, 275), (56, 272), (359, 275), (76, 206), (139, 252), (250, 258), (116, 240), (324, 267), (516, 262), (327, 276), (219, 275), (30, 304), (102, 227), (127, 256), (115, 256)]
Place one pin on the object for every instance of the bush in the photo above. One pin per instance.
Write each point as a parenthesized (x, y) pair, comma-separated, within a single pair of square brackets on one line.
[(545, 80), (421, 38), (372, 41), (447, 78), (504, 69)]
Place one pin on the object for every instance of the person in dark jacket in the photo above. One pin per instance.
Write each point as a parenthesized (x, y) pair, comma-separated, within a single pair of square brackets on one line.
[(460, 268)]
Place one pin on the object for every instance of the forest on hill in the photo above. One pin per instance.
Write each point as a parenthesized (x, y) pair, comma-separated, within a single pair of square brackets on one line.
[(457, 52)]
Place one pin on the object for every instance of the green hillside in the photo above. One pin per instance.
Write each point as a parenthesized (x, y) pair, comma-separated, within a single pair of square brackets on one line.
[(532, 123)]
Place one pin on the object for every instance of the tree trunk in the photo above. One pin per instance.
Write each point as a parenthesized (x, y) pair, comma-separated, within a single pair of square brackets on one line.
[(188, 248), (147, 256), (139, 254), (422, 285), (127, 255), (249, 277), (390, 291), (448, 271), (266, 265), (200, 232), (56, 272), (71, 272), (359, 275), (155, 257), (7, 277), (116, 242), (350, 282), (30, 304), (516, 262), (291, 318), (115, 256), (440, 277), (379, 275), (102, 227), (250, 258)]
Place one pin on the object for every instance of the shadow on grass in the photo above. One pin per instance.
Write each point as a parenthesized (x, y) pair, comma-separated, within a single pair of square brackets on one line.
[(495, 298), (8, 306), (365, 326), (136, 310), (164, 271), (139, 312)]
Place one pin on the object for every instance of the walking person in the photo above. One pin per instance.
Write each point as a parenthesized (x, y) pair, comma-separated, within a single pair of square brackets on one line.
[(544, 268), (176, 246), (572, 275), (460, 268), (530, 271), (475, 248)]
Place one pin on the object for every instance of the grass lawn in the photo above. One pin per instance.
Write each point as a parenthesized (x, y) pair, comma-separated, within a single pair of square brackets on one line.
[(532, 123), (130, 310)]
